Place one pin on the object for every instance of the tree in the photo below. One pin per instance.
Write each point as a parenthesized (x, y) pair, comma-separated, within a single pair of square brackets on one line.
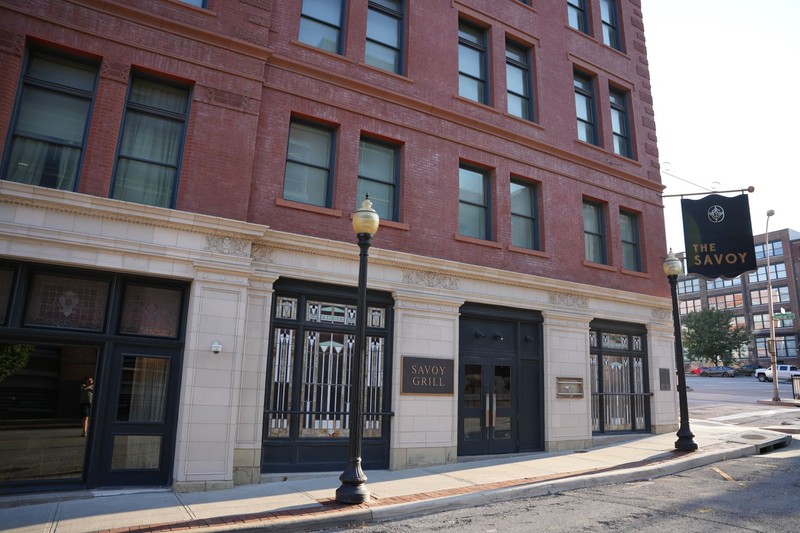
[(13, 357), (709, 335)]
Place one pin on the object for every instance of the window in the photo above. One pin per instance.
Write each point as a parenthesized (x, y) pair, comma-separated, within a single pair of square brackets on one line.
[(518, 81), (785, 346), (721, 283), (775, 249), (610, 20), (472, 69), (761, 321), (309, 164), (594, 232), (151, 143), (584, 108), (473, 203), (629, 233), (377, 176), (321, 24), (738, 321), (619, 122), (576, 12), (761, 297), (776, 271), (384, 48), (690, 306), (726, 301), (197, 3), (688, 285), (524, 220), (51, 120)]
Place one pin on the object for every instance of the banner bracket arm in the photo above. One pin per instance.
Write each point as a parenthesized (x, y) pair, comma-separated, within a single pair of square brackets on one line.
[(749, 189)]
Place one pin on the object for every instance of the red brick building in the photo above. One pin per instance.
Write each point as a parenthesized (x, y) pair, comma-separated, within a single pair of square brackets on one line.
[(181, 175)]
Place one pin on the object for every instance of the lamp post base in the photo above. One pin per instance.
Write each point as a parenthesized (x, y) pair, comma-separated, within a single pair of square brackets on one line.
[(685, 442), (353, 491)]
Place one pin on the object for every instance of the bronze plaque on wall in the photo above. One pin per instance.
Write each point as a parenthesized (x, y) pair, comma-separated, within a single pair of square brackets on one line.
[(425, 375)]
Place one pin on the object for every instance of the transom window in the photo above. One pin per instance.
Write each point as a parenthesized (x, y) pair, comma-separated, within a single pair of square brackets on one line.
[(377, 176), (384, 48), (309, 164), (472, 71), (321, 24), (51, 121), (151, 143), (473, 202)]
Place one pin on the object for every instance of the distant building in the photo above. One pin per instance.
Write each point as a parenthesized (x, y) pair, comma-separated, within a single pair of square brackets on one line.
[(177, 186), (747, 297)]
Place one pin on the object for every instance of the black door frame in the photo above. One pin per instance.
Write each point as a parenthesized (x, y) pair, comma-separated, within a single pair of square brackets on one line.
[(492, 336)]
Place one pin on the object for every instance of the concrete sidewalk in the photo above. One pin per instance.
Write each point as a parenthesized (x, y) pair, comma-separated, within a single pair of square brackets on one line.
[(308, 504)]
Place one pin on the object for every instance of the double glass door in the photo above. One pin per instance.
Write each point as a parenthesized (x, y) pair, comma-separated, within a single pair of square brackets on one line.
[(487, 417)]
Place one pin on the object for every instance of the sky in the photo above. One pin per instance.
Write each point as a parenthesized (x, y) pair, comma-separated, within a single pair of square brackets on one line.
[(725, 78)]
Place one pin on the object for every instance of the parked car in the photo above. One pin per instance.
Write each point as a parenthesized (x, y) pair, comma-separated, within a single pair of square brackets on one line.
[(784, 372), (747, 370), (724, 371), (697, 370)]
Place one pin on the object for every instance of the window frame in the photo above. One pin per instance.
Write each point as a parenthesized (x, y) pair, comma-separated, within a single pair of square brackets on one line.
[(532, 220), (378, 6), (609, 19), (394, 184), (635, 244), (584, 87), (484, 231), (331, 131), (599, 237), (576, 10), (479, 46), (620, 115), (148, 110), (340, 29), (28, 81), (525, 67)]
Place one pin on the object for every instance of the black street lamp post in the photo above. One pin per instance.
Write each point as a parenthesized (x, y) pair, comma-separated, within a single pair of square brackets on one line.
[(672, 268), (354, 488)]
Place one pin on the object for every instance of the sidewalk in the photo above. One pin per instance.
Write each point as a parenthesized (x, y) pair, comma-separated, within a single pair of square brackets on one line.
[(308, 504)]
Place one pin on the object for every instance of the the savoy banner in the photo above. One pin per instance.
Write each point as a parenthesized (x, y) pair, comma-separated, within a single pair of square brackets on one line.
[(718, 236)]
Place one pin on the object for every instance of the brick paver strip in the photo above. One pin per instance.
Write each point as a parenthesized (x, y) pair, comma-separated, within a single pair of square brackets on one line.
[(330, 505)]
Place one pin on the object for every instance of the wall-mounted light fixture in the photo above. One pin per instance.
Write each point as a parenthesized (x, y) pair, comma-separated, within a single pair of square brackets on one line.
[(528, 338), (216, 347), (479, 335), (498, 337)]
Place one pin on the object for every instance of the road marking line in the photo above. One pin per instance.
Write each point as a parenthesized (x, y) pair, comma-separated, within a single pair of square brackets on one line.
[(723, 474)]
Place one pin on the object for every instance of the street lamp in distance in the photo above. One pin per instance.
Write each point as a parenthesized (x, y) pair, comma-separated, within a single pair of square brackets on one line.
[(673, 268), (353, 488)]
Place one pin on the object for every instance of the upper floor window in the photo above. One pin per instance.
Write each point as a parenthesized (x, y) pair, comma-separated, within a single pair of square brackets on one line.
[(584, 108), (629, 233), (377, 176), (688, 285), (726, 301), (51, 120), (473, 203), (721, 283), (775, 249), (761, 321), (610, 20), (761, 297), (594, 234), (197, 3), (151, 142), (690, 306), (321, 24), (384, 48), (524, 220), (619, 122), (578, 18), (518, 81), (472, 71), (309, 164), (776, 271)]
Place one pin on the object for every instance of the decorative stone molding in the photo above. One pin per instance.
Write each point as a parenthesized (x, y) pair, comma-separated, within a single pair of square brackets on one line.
[(660, 314), (568, 300), (429, 279), (261, 253), (227, 245)]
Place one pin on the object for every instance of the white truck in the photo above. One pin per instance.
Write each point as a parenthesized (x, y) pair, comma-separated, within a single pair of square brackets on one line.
[(784, 372)]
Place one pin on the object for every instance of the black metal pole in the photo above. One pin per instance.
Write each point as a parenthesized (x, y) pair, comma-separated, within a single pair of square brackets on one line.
[(354, 488), (685, 440)]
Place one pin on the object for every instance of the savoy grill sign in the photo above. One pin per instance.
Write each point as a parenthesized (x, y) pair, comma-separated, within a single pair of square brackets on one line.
[(718, 236)]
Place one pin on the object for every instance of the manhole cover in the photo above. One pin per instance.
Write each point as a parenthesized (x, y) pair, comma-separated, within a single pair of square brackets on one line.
[(753, 436)]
